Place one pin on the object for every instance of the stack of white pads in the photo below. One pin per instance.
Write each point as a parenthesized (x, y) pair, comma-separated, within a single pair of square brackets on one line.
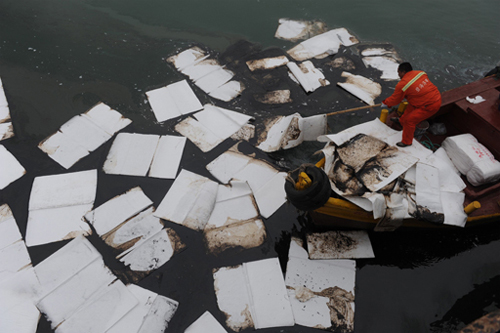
[(472, 159)]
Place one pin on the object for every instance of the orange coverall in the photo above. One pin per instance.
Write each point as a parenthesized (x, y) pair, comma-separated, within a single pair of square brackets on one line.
[(423, 98)]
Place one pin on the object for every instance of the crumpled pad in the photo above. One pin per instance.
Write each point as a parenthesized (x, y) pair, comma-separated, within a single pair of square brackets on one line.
[(361, 87), (294, 30), (309, 77), (321, 46), (290, 131), (475, 100), (363, 164)]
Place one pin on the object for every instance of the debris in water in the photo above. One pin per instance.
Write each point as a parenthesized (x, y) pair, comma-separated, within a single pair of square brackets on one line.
[(11, 168), (361, 87), (274, 97), (57, 205), (323, 45), (343, 63), (294, 30), (212, 126), (309, 77), (189, 201), (143, 155), (267, 63), (79, 292), (18, 283), (208, 74), (339, 245), (321, 292), (6, 128), (205, 323), (173, 101), (387, 65), (253, 294), (266, 182), (235, 219), (83, 134), (284, 132)]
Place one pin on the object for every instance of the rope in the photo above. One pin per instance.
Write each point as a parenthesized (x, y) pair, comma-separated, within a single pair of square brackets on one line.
[(429, 144), (300, 169)]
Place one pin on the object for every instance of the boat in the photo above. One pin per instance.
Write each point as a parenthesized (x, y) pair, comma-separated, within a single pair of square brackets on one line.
[(481, 204)]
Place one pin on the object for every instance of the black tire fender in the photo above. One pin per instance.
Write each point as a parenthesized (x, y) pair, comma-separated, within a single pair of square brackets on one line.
[(313, 197)]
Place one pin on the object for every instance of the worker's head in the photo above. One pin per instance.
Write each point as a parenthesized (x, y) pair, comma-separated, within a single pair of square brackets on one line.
[(404, 68)]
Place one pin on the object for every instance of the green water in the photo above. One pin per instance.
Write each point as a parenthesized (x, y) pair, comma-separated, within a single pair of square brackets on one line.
[(59, 57)]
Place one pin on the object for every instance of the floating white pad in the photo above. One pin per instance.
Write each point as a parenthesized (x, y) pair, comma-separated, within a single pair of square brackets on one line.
[(124, 225), (11, 168), (61, 303), (80, 293), (6, 129), (145, 154), (82, 134), (266, 182), (133, 231), (387, 65), (100, 312), (199, 69), (189, 201), (9, 232), (18, 312), (161, 312), (272, 195), (294, 30), (361, 87), (187, 58), (212, 126), (173, 101), (4, 110), (339, 245), (167, 157), (253, 295), (73, 257), (57, 205), (207, 74), (112, 213), (234, 203), (146, 313), (214, 79), (320, 46), (151, 254), (284, 132), (14, 258), (267, 63), (321, 292), (309, 77), (234, 220), (228, 91), (205, 323), (198, 134)]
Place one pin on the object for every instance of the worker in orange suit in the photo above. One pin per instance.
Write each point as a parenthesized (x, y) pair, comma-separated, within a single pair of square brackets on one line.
[(423, 98)]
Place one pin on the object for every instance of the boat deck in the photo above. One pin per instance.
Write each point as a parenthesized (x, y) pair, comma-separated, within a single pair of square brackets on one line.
[(481, 120)]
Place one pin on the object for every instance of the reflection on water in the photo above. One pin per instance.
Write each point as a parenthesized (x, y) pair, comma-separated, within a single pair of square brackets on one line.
[(58, 58)]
